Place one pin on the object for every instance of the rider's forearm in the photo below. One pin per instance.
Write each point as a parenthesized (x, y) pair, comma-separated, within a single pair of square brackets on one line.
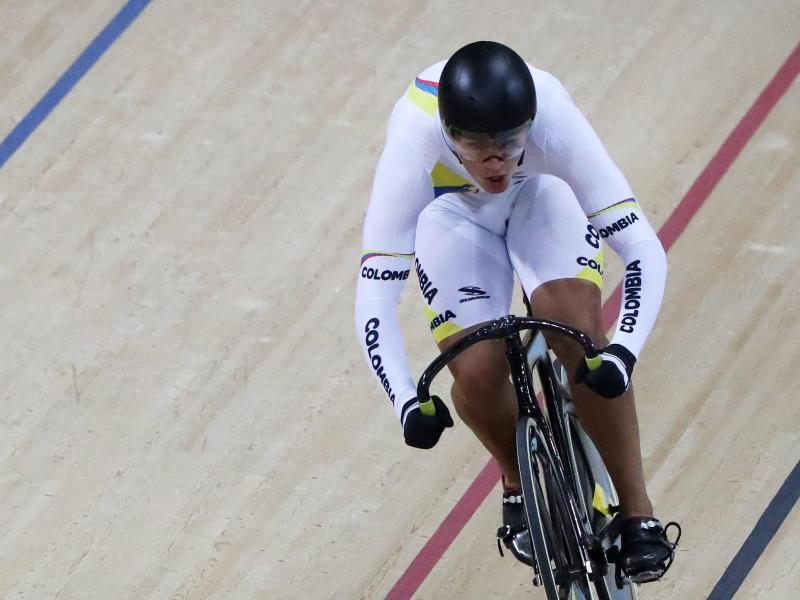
[(381, 279), (629, 234), (642, 292)]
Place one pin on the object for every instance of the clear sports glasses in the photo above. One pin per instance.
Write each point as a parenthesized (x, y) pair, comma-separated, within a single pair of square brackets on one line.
[(480, 146)]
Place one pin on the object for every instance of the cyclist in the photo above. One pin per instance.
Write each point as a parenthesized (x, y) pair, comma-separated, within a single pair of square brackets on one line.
[(490, 170)]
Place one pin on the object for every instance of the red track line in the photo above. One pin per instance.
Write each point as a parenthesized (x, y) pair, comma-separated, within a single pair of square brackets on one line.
[(452, 525), (730, 149), (677, 222)]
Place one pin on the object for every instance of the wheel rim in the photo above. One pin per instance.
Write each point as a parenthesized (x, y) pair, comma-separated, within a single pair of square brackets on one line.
[(535, 508)]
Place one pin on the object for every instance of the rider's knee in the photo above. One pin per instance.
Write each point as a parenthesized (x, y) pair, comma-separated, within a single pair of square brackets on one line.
[(478, 377), (575, 303), (570, 352), (480, 385)]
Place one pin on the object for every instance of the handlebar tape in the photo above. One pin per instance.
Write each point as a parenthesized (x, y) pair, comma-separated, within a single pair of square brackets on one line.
[(594, 362), (427, 408)]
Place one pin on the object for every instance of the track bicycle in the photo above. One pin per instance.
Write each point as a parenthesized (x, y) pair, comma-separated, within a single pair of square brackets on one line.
[(569, 499)]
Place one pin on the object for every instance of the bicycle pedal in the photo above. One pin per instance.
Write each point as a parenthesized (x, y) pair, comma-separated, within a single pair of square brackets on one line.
[(622, 578), (645, 576)]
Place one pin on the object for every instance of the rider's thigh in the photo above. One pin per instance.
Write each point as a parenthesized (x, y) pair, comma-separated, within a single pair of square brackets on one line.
[(463, 268), (466, 278), (550, 238), (559, 259)]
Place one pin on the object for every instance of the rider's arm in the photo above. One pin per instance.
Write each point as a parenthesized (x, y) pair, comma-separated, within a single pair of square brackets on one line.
[(401, 189), (575, 153), (628, 232)]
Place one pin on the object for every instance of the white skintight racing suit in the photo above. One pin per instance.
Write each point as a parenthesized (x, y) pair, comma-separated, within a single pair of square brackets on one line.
[(428, 216)]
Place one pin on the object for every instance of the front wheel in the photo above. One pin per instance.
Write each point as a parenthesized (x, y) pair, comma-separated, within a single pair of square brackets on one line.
[(536, 512)]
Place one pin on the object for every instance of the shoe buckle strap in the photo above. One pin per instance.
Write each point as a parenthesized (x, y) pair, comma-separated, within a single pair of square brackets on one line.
[(508, 531)]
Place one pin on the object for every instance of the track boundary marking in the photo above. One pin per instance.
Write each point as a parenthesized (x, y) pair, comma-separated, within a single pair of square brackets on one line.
[(85, 61), (764, 530)]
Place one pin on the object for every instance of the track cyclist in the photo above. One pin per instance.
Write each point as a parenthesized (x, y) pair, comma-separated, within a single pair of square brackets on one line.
[(489, 170)]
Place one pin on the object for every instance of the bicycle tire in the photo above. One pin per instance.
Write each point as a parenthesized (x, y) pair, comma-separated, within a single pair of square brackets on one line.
[(579, 586), (536, 511), (565, 552), (580, 446)]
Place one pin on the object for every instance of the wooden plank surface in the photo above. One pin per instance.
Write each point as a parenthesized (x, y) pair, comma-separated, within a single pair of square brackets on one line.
[(186, 413)]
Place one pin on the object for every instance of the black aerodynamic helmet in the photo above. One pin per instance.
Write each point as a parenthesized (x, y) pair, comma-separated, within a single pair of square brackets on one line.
[(486, 88)]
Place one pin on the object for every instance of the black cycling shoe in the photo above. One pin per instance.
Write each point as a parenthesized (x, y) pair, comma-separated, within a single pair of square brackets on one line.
[(514, 532), (646, 553)]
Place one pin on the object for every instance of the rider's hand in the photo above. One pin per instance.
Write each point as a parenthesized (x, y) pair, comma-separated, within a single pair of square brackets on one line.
[(423, 431), (613, 376)]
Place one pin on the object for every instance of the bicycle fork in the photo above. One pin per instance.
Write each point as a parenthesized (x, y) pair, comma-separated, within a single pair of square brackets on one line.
[(581, 531)]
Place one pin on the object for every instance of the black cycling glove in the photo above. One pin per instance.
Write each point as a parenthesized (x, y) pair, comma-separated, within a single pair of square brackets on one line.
[(423, 431), (613, 376)]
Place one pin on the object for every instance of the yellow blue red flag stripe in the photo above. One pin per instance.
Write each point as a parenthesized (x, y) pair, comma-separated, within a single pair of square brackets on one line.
[(431, 87), (370, 254)]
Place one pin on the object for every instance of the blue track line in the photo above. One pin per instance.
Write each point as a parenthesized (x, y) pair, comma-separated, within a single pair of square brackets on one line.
[(71, 76), (763, 532)]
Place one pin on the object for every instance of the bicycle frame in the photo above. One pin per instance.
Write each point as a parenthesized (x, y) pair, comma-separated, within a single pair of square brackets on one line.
[(508, 329)]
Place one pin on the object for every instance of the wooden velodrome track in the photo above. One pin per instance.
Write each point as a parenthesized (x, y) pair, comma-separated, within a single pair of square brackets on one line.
[(185, 410)]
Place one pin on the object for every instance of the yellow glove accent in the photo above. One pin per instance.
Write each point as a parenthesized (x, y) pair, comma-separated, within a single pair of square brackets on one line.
[(594, 363), (427, 408)]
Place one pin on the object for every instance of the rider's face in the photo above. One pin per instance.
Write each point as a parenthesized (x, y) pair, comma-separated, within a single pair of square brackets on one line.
[(492, 173)]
